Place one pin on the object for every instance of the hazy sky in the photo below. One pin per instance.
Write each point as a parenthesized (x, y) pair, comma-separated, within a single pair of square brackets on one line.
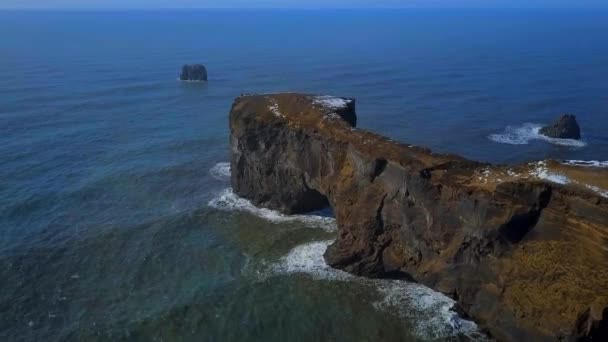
[(301, 3)]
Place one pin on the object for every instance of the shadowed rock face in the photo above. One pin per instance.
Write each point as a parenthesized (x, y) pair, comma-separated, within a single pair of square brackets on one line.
[(194, 72), (527, 258), (565, 127)]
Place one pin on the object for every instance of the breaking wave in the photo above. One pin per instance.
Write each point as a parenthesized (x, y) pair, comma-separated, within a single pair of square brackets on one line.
[(227, 200), (524, 134), (220, 171), (586, 163), (430, 311)]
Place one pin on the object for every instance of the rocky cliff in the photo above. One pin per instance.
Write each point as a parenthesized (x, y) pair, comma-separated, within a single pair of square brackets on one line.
[(566, 127), (194, 73), (523, 249)]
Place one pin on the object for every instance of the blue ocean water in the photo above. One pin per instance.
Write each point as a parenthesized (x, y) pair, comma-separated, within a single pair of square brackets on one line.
[(116, 221)]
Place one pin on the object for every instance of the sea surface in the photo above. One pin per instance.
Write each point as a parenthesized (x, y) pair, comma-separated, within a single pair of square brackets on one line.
[(117, 221)]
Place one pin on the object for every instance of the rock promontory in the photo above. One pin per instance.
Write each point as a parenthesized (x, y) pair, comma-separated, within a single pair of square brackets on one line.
[(523, 249), (194, 73), (566, 127)]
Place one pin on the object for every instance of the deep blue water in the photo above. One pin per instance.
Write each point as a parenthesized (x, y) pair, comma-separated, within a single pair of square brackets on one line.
[(114, 223)]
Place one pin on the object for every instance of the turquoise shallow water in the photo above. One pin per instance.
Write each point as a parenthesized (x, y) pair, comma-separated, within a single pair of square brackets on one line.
[(116, 222)]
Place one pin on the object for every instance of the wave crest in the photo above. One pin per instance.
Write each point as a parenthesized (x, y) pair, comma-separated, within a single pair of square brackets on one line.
[(227, 200), (430, 311), (524, 134), (586, 163), (221, 171)]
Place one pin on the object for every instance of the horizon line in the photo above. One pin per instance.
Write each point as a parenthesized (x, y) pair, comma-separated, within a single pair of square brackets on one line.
[(304, 8)]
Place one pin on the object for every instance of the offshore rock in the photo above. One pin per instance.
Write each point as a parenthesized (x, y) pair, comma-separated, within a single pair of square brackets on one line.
[(565, 127), (196, 72), (523, 249)]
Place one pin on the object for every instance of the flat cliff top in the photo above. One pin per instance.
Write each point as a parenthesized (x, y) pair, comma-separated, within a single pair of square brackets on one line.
[(335, 118)]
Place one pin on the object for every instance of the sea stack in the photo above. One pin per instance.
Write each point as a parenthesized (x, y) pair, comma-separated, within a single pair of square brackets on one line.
[(525, 256), (195, 73), (565, 127)]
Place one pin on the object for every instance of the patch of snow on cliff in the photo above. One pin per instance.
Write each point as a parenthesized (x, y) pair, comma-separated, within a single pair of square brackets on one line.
[(512, 173), (429, 310), (522, 135), (334, 116), (331, 102), (484, 176), (274, 108), (600, 191), (541, 171), (220, 171), (227, 200)]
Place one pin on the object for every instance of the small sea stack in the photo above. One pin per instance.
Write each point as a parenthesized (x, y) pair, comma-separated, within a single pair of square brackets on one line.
[(194, 73), (565, 127)]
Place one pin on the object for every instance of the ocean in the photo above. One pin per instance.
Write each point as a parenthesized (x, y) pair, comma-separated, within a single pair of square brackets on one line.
[(117, 221)]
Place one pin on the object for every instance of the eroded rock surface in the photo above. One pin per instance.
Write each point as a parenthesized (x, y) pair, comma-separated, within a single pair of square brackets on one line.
[(566, 127), (523, 249)]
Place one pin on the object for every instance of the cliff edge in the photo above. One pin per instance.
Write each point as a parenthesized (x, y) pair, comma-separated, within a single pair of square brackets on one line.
[(523, 249)]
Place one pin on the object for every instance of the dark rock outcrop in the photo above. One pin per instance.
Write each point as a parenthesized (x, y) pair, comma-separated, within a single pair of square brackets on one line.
[(565, 127), (525, 257), (196, 72)]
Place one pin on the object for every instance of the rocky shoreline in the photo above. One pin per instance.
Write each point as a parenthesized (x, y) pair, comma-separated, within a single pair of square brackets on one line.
[(523, 249)]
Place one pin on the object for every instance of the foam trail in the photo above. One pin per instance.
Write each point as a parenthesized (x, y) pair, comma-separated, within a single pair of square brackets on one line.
[(308, 259), (524, 134), (227, 200), (430, 311), (191, 81), (221, 171), (586, 163)]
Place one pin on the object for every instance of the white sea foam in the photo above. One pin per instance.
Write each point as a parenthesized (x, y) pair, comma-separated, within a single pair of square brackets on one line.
[(191, 81), (308, 259), (220, 171), (227, 200), (430, 311), (586, 163), (524, 134), (331, 102)]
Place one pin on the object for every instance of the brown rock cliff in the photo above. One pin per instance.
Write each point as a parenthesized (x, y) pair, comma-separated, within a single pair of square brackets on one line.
[(525, 256)]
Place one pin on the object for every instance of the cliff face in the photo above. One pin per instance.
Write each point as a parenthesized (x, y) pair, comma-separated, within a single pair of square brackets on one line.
[(526, 257)]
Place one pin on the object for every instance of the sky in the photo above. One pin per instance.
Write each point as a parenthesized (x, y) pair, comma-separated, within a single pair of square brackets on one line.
[(151, 4)]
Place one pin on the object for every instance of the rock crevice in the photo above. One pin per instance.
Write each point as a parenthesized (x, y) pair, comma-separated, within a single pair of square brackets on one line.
[(525, 257)]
